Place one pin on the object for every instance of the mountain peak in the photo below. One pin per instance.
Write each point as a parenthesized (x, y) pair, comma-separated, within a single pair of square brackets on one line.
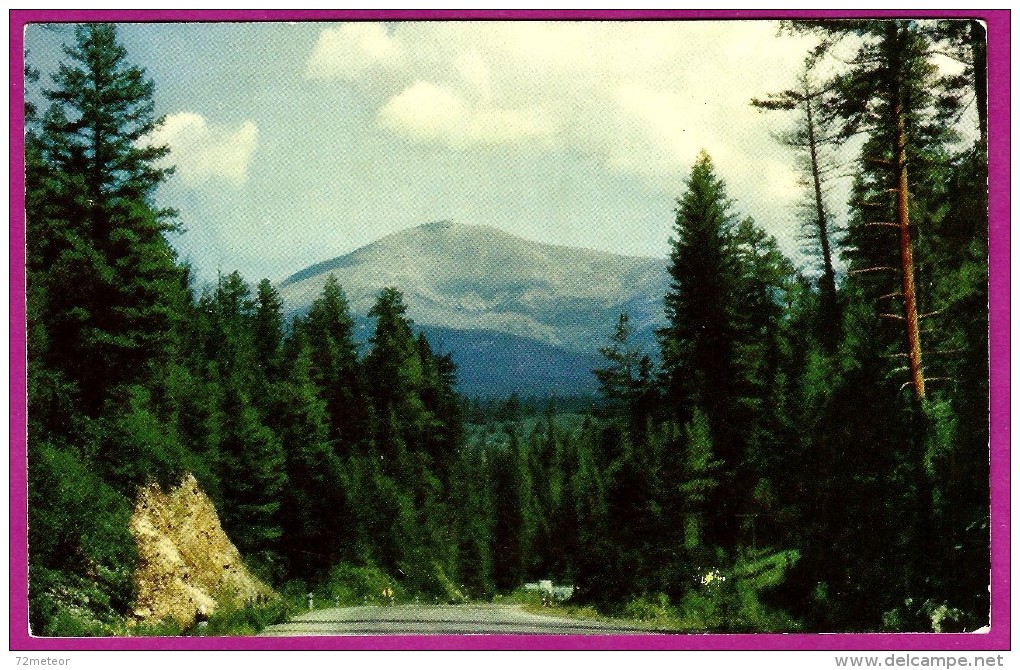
[(445, 224), (453, 228), (498, 297), (435, 236), (480, 277)]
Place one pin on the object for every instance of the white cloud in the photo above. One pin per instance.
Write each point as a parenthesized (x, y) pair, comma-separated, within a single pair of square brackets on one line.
[(423, 111), (660, 122), (202, 152), (428, 112), (640, 97), (632, 101), (351, 50)]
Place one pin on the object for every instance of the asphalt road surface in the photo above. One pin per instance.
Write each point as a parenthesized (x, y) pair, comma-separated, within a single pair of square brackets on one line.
[(441, 620)]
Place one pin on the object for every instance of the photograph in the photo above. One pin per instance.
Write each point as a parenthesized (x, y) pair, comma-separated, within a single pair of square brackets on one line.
[(496, 330)]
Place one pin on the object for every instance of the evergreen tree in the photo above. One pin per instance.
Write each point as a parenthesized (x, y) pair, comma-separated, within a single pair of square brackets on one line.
[(891, 91), (564, 524), (250, 456), (335, 366), (105, 299), (113, 285), (625, 382), (763, 361), (445, 431), (509, 534), (268, 329), (598, 573), (510, 410), (394, 374), (956, 455), (231, 346), (254, 477), (314, 514), (698, 344), (814, 138), (471, 499), (697, 341), (905, 247)]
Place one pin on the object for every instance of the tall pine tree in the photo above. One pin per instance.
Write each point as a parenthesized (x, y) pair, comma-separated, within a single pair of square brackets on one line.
[(698, 342), (114, 287), (335, 366), (105, 294)]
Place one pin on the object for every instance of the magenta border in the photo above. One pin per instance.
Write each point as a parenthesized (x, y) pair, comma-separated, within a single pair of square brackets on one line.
[(998, 638)]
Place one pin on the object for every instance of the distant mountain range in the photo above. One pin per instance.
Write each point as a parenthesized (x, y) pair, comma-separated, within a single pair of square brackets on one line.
[(516, 315)]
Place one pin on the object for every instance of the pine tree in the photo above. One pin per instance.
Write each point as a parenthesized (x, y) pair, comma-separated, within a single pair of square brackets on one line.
[(114, 288), (597, 559), (471, 490), (254, 479), (394, 375), (699, 343), (814, 138), (904, 247), (625, 382), (892, 92), (445, 431), (267, 328), (335, 366), (231, 345), (695, 492), (510, 536), (763, 360), (314, 514), (105, 299)]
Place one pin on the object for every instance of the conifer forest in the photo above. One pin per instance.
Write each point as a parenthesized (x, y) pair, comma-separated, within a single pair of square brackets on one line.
[(804, 447)]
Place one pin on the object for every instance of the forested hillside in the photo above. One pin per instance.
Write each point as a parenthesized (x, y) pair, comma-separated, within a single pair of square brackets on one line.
[(805, 449)]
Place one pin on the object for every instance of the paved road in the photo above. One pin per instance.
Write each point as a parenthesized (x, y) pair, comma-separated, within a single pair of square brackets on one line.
[(440, 619)]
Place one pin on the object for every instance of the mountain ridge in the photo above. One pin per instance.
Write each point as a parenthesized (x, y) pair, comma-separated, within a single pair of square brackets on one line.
[(335, 262), (480, 281)]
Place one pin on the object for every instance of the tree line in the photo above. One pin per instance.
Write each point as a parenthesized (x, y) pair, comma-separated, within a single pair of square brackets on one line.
[(835, 432), (805, 450)]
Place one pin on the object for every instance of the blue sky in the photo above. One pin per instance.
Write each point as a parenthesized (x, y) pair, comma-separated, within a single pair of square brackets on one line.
[(298, 142)]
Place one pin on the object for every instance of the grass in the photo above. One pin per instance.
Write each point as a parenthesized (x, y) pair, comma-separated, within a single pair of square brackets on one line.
[(531, 601), (730, 610), (242, 621)]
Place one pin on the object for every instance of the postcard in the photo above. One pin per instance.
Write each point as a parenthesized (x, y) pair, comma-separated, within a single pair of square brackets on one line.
[(509, 330)]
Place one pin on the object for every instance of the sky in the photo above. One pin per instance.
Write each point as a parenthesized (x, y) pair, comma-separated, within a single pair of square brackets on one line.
[(299, 142)]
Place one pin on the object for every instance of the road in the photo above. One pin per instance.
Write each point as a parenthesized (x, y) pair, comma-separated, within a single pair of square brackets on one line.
[(441, 620)]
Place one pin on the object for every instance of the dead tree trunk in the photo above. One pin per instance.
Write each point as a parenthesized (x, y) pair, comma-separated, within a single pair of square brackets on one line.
[(829, 276), (906, 254)]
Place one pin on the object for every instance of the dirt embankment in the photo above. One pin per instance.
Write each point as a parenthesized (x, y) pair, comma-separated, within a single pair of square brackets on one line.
[(187, 566)]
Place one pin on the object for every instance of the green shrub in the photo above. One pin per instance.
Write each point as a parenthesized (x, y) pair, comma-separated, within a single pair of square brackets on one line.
[(81, 553), (735, 599), (653, 609), (348, 585), (75, 623), (240, 621), (527, 597)]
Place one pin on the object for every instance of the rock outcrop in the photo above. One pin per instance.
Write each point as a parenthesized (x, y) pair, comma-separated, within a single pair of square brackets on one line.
[(187, 566)]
